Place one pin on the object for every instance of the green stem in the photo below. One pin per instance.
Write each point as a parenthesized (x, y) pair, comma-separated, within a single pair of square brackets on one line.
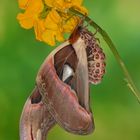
[(112, 47)]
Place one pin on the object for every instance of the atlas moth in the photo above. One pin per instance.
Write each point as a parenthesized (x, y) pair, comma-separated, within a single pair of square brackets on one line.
[(61, 95)]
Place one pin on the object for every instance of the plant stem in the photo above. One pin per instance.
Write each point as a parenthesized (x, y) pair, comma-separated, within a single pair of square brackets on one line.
[(113, 49)]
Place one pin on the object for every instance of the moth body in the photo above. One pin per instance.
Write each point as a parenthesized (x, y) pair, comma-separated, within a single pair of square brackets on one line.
[(62, 92)]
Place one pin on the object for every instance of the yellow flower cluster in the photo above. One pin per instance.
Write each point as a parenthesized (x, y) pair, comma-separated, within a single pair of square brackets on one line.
[(51, 19)]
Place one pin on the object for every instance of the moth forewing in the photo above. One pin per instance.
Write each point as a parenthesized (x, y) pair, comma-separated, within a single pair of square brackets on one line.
[(60, 98), (35, 120), (82, 73)]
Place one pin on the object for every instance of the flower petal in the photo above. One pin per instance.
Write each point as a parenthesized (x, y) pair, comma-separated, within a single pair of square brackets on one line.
[(59, 4), (77, 2), (26, 20), (55, 16), (70, 24), (59, 36), (52, 20), (23, 3), (49, 37), (35, 6), (49, 3), (39, 28), (31, 14)]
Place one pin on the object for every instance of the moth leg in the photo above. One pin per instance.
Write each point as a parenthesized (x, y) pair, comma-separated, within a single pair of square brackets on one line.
[(35, 121)]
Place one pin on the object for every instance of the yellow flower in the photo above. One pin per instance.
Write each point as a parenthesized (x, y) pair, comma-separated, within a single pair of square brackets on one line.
[(29, 17), (54, 29), (51, 19), (70, 24), (23, 4), (39, 28), (64, 5)]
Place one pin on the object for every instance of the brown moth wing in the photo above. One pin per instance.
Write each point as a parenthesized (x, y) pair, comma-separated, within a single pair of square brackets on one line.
[(61, 99), (82, 74), (79, 43), (35, 120)]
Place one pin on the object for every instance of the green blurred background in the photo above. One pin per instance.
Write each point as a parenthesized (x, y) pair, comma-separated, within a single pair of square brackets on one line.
[(116, 111)]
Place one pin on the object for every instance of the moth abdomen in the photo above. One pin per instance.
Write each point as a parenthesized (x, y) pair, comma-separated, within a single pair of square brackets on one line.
[(95, 56)]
